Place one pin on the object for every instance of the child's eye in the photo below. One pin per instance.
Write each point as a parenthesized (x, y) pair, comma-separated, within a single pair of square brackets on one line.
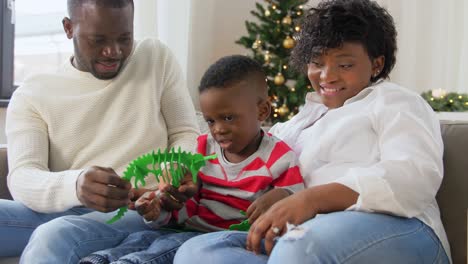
[(209, 121), (346, 66), (228, 118)]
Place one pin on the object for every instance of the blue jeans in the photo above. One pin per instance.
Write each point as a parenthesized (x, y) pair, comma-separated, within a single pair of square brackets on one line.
[(341, 237), (67, 239), (157, 246), (17, 222)]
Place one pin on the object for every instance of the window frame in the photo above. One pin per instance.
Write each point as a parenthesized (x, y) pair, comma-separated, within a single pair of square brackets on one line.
[(6, 53)]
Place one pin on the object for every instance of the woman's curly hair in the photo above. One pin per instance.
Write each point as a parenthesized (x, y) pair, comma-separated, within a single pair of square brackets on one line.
[(334, 22)]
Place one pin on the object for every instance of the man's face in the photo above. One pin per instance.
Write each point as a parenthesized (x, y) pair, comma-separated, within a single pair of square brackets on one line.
[(102, 38)]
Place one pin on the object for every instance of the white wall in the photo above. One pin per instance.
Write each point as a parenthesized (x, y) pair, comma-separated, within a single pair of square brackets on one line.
[(216, 25)]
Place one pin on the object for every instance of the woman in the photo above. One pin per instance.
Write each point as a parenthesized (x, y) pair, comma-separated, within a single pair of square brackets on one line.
[(370, 152)]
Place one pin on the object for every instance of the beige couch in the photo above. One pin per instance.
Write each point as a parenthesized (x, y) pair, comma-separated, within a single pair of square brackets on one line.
[(452, 197)]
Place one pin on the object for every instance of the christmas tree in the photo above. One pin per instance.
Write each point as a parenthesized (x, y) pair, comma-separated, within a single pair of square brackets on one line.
[(271, 41)]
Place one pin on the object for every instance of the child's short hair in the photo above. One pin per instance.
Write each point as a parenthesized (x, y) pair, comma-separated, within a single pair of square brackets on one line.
[(230, 70), (334, 22)]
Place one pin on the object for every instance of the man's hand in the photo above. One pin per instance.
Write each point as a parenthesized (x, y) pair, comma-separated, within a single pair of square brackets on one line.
[(264, 202), (148, 206), (102, 189)]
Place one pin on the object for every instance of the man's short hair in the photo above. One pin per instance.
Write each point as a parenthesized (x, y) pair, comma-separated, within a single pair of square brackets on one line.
[(73, 4)]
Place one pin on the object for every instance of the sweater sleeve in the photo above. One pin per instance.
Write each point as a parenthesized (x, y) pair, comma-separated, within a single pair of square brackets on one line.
[(29, 180), (177, 107), (406, 178)]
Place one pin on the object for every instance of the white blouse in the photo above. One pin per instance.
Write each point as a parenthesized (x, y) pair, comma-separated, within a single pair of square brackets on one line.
[(384, 143)]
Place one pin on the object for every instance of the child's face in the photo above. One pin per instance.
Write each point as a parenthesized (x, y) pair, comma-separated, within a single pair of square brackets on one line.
[(341, 73), (234, 116)]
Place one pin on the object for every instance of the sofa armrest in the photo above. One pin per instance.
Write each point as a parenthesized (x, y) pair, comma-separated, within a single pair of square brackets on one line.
[(453, 194), (4, 193)]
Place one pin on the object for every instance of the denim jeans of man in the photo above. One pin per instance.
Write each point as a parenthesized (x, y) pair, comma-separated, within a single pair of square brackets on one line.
[(149, 247), (67, 239), (341, 237), (17, 223)]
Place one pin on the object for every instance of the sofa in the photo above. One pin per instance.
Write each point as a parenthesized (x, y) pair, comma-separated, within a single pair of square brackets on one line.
[(452, 196)]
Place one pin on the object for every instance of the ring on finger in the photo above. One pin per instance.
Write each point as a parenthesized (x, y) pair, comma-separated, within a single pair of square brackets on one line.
[(275, 230)]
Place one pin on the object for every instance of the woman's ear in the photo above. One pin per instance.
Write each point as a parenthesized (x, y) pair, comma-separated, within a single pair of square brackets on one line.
[(377, 65), (264, 110)]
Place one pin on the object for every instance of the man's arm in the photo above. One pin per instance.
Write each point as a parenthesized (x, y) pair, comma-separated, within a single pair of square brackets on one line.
[(177, 106), (32, 183)]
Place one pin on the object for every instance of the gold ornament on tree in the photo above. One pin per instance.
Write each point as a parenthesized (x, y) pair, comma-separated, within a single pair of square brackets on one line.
[(283, 110), (287, 20), (257, 44), (267, 13), (267, 57), (279, 79), (288, 42)]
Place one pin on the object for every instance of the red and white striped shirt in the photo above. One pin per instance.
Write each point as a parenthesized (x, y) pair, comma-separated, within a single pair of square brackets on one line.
[(228, 187)]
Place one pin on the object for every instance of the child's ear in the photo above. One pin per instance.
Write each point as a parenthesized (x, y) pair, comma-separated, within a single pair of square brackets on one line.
[(264, 110)]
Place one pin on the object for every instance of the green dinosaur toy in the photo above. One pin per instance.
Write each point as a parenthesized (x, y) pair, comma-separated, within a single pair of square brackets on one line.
[(142, 166), (242, 226)]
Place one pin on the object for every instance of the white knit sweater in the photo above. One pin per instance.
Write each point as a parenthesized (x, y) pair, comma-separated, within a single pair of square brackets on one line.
[(60, 124)]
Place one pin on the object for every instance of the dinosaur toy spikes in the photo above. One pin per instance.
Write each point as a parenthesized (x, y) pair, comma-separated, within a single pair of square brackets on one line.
[(139, 169)]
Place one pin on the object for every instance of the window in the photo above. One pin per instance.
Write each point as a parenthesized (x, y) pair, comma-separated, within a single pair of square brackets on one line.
[(6, 51), (40, 42), (35, 43)]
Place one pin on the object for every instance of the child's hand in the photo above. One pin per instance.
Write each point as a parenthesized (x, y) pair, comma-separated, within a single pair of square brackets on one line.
[(148, 206), (174, 198), (135, 194), (264, 202)]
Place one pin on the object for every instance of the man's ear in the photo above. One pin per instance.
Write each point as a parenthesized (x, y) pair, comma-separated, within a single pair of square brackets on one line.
[(264, 110), (67, 27)]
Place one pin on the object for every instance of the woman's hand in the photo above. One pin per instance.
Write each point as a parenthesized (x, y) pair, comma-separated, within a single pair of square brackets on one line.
[(264, 202), (295, 209)]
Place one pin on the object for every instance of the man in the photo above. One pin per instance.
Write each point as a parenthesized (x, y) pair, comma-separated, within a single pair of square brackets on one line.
[(72, 133)]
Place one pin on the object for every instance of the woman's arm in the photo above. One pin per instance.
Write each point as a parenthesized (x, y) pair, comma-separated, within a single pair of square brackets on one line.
[(297, 209)]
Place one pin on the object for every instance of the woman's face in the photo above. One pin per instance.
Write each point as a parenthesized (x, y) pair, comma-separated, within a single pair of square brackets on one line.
[(341, 73)]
